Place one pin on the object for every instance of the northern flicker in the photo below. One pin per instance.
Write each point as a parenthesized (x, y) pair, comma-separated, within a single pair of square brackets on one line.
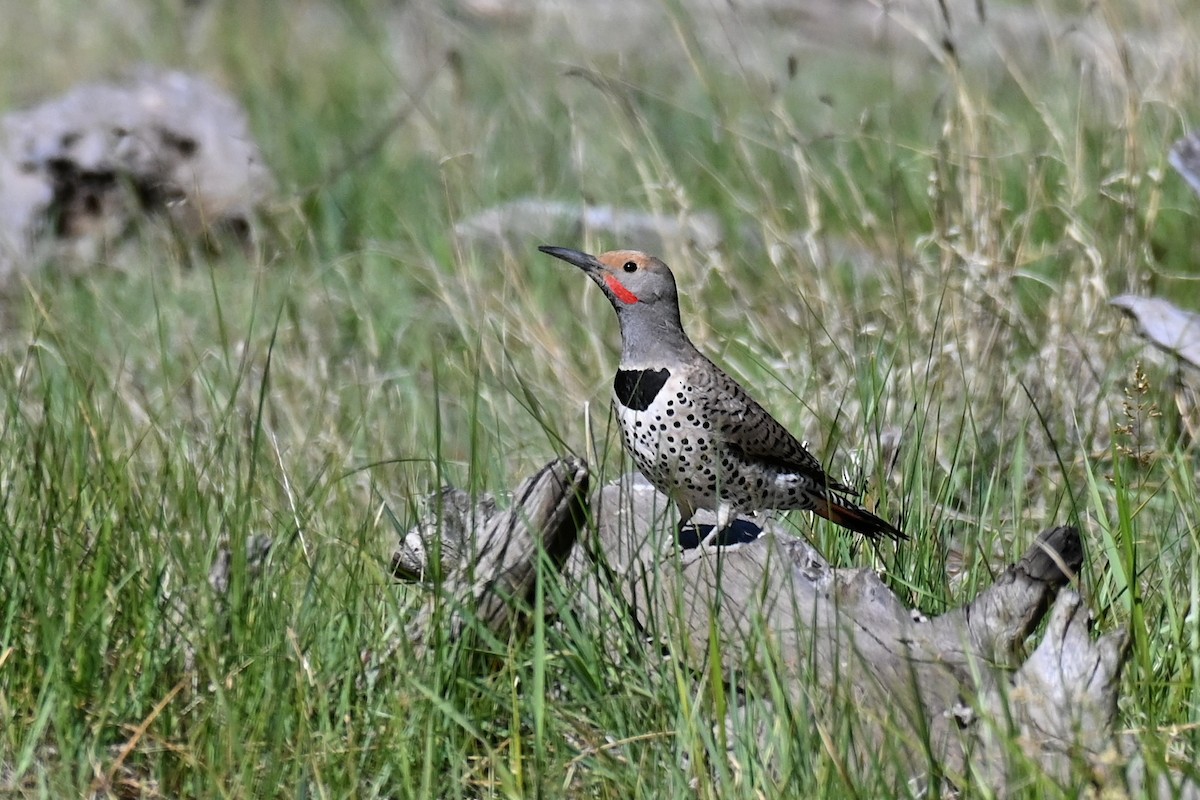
[(692, 430)]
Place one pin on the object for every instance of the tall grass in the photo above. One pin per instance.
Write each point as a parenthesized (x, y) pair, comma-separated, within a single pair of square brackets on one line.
[(913, 278)]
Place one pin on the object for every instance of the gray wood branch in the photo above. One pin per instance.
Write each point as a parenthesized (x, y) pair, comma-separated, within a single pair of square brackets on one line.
[(919, 681), (487, 572), (951, 693)]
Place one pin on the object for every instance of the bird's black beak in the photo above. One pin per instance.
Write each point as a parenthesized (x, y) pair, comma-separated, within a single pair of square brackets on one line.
[(585, 262)]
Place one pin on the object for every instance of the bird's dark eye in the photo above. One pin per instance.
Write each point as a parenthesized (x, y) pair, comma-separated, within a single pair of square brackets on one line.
[(630, 266)]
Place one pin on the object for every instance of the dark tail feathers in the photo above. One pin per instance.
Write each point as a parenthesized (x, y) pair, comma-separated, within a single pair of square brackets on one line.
[(841, 511)]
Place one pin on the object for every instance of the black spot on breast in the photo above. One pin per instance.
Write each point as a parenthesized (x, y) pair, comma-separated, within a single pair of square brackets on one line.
[(637, 388)]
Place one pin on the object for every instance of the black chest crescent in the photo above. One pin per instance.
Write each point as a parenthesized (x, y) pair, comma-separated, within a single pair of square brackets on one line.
[(637, 388)]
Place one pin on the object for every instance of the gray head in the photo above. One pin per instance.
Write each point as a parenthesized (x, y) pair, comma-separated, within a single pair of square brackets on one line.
[(642, 290)]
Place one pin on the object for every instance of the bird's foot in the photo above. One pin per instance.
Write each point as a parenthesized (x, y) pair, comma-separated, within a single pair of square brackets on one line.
[(693, 534), (725, 513)]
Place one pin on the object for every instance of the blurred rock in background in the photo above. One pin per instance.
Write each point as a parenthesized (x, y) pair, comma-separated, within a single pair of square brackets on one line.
[(79, 173)]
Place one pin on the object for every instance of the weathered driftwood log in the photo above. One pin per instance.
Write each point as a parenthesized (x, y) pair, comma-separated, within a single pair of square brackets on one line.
[(941, 698), (925, 686), (487, 571)]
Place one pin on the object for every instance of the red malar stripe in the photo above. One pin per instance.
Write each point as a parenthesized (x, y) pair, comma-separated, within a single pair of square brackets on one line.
[(623, 294)]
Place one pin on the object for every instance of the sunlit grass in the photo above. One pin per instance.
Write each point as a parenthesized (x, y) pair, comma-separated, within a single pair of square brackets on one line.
[(913, 278)]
